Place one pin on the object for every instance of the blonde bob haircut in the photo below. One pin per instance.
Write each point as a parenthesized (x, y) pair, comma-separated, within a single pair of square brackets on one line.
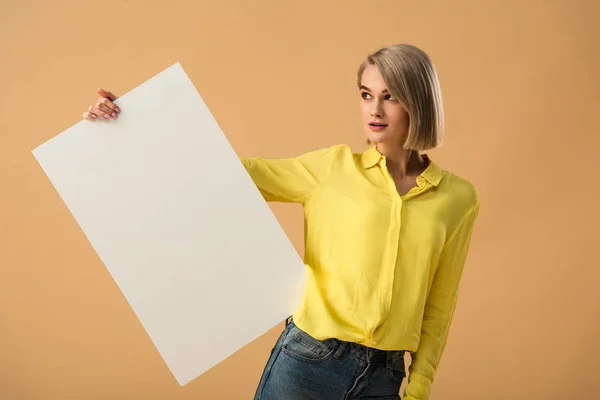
[(410, 76)]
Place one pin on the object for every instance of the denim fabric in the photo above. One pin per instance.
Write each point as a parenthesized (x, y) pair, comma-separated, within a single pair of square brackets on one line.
[(304, 368)]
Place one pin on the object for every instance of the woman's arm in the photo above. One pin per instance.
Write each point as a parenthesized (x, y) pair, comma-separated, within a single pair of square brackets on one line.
[(291, 179), (439, 309), (286, 180)]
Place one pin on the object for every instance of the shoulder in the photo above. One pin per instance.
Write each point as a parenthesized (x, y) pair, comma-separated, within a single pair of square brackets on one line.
[(329, 151), (462, 192), (343, 151), (334, 153), (340, 149), (344, 157)]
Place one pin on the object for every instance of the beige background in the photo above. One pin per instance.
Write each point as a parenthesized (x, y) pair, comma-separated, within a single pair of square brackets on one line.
[(520, 85)]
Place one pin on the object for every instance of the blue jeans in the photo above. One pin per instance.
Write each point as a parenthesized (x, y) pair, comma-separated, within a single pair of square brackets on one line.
[(304, 368)]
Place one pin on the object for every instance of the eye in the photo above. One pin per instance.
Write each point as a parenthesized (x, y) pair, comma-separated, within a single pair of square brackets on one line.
[(390, 97), (365, 95)]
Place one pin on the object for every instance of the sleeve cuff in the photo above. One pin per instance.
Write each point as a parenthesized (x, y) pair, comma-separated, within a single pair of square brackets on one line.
[(418, 388)]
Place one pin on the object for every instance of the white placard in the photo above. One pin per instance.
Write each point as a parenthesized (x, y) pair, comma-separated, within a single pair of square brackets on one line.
[(177, 221)]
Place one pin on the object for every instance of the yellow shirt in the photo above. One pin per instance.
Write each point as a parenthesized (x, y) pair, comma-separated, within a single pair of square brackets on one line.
[(383, 270)]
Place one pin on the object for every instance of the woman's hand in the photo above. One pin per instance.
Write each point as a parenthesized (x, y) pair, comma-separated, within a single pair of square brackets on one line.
[(104, 108)]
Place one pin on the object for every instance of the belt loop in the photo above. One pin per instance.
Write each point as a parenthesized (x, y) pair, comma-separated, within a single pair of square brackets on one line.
[(340, 350), (288, 320)]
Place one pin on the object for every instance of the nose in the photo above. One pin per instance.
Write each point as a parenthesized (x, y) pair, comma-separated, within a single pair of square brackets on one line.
[(376, 111)]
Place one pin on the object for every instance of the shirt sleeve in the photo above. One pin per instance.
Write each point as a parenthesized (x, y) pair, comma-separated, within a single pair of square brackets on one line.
[(290, 180), (439, 309)]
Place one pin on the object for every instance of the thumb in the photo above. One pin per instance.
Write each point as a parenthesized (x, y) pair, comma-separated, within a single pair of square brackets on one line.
[(107, 94)]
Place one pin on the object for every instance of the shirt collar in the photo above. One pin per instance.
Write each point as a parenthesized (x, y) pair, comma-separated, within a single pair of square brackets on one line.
[(432, 174), (370, 157)]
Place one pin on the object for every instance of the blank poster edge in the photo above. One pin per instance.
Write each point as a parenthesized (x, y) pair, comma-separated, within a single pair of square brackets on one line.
[(183, 382), (173, 65)]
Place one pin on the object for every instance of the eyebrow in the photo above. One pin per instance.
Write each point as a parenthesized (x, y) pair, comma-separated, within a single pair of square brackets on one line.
[(363, 87)]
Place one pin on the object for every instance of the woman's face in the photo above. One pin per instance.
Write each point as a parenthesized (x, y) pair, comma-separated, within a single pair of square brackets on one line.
[(385, 120)]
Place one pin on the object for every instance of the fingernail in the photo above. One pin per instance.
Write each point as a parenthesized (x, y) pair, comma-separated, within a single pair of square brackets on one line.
[(106, 116), (93, 116), (118, 110), (114, 115)]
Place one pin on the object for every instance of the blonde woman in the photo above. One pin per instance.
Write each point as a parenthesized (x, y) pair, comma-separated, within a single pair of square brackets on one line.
[(387, 235)]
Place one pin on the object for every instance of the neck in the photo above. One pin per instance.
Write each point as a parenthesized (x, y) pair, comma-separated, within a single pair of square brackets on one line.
[(402, 162)]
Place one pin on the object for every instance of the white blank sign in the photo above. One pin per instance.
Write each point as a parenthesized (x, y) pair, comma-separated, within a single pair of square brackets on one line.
[(172, 213)]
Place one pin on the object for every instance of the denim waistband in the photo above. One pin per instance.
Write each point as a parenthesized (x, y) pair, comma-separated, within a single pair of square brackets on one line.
[(354, 349)]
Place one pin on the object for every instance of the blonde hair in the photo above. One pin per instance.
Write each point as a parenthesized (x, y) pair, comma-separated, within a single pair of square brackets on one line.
[(411, 78)]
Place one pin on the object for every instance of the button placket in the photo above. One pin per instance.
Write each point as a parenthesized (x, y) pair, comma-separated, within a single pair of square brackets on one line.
[(393, 243)]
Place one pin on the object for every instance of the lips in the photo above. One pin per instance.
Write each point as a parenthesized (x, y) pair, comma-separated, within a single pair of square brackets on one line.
[(377, 126)]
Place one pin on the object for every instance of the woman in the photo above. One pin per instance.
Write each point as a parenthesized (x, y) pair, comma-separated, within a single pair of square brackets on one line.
[(387, 235)]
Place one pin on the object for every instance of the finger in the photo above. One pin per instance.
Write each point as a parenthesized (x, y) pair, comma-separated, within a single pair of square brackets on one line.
[(103, 109), (98, 112), (89, 115), (106, 94), (106, 109), (109, 104)]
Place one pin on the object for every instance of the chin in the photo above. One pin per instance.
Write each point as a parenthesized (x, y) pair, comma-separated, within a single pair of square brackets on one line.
[(375, 138)]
